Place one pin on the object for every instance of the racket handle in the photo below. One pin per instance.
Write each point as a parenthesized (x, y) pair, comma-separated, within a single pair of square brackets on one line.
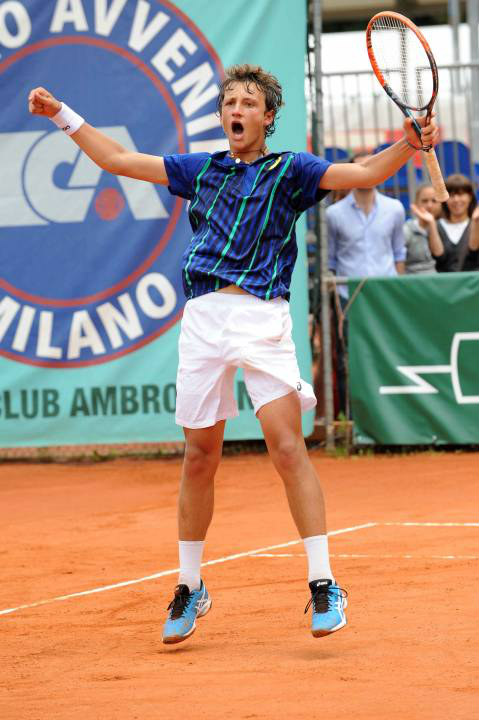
[(435, 174)]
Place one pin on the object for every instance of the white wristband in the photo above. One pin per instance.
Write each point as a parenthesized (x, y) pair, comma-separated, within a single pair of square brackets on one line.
[(67, 120)]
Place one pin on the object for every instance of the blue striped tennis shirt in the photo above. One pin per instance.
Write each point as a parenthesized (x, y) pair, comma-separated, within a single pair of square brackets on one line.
[(243, 218)]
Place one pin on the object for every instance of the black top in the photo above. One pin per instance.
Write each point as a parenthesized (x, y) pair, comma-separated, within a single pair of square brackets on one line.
[(456, 257)]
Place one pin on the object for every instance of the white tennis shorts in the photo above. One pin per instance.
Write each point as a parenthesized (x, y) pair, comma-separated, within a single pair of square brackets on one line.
[(221, 332)]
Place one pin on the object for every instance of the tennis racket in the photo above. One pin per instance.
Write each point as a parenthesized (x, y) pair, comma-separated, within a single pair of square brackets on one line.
[(404, 65)]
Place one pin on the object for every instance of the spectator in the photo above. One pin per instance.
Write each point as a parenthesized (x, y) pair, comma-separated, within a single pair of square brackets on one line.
[(365, 237), (458, 233), (365, 234), (420, 232)]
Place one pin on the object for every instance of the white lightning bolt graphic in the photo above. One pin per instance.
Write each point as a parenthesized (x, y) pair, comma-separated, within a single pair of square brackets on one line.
[(423, 387)]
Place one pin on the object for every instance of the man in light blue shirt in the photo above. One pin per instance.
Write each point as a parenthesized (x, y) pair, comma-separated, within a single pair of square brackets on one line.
[(365, 238)]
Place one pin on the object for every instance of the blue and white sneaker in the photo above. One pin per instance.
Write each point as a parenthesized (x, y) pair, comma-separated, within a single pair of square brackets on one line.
[(328, 601), (185, 607)]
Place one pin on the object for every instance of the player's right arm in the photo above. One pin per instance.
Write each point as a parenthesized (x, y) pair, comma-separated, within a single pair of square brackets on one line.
[(375, 169), (105, 152)]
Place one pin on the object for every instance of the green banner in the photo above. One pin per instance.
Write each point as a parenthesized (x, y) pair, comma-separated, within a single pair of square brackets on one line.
[(414, 359)]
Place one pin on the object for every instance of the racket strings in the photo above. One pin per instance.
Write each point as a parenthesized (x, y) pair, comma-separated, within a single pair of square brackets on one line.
[(403, 61)]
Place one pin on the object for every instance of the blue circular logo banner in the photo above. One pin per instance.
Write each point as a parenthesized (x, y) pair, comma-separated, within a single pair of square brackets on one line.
[(90, 262)]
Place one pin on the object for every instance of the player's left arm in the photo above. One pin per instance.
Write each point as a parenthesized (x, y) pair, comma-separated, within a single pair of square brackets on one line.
[(377, 168), (474, 231)]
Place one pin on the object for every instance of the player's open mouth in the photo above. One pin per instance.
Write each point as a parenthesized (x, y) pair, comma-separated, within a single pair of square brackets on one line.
[(237, 129)]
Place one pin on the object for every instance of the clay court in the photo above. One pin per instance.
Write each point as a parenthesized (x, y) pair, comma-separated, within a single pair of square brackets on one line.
[(89, 563)]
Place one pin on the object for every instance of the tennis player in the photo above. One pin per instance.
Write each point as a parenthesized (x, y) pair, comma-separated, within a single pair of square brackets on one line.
[(237, 270)]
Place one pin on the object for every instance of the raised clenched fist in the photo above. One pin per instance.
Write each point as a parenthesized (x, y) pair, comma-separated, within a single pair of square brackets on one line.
[(41, 102)]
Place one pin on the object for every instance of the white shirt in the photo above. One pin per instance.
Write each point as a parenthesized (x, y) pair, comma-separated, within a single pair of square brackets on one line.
[(454, 230)]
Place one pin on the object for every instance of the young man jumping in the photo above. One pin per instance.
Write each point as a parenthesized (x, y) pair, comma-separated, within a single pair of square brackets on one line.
[(244, 204)]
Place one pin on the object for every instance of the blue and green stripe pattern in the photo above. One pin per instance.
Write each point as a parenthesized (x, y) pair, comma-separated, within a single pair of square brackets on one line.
[(243, 218)]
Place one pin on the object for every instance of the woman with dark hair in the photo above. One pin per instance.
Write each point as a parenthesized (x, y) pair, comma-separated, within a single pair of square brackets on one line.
[(458, 229)]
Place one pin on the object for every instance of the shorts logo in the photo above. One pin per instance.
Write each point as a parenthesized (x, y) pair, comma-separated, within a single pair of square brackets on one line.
[(298, 387), (90, 262)]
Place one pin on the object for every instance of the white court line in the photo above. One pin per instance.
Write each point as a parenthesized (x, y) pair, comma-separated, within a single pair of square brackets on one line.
[(379, 557), (431, 524), (228, 558)]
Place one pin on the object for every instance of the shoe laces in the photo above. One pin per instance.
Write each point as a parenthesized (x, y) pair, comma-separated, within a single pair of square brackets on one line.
[(180, 601), (322, 599)]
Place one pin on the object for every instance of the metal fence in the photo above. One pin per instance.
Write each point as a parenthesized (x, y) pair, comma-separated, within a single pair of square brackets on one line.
[(358, 115)]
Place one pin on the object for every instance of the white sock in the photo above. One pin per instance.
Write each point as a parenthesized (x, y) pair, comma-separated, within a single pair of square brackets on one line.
[(318, 558), (191, 552)]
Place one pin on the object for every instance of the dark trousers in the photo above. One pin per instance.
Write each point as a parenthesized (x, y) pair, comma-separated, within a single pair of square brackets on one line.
[(341, 347)]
